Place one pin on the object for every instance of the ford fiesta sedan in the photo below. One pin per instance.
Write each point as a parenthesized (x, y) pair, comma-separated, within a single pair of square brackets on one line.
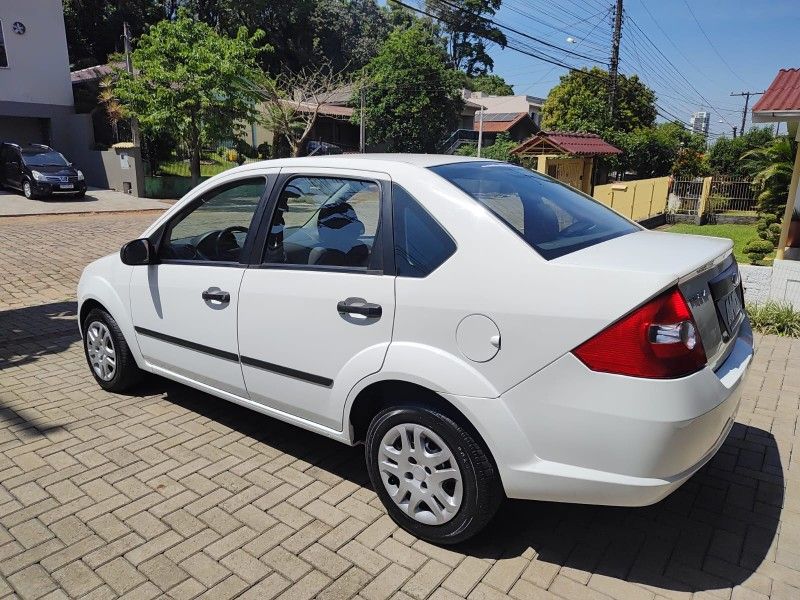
[(483, 330)]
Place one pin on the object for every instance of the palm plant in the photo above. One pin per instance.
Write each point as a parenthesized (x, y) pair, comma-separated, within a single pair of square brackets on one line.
[(114, 110), (771, 168)]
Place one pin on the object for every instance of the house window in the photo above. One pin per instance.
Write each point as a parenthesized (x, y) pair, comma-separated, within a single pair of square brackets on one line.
[(3, 55)]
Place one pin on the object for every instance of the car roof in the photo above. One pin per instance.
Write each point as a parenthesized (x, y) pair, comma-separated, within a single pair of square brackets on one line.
[(366, 161)]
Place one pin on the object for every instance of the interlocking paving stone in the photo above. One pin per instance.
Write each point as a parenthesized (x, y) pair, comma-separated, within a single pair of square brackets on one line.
[(170, 493)]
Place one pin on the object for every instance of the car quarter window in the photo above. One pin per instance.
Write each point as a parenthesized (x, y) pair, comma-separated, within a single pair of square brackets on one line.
[(326, 221), (421, 245), (214, 229)]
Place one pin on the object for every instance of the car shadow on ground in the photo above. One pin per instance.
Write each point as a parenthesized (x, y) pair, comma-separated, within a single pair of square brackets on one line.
[(30, 332), (712, 533)]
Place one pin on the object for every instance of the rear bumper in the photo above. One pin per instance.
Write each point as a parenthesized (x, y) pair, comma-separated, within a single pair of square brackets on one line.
[(569, 434)]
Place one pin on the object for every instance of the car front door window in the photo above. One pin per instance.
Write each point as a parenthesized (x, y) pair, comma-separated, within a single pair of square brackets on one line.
[(216, 228)]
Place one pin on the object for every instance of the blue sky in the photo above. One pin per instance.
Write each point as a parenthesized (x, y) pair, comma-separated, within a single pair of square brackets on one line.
[(755, 39)]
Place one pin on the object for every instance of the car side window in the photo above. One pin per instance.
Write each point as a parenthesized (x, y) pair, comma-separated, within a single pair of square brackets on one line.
[(326, 221), (216, 228), (421, 245)]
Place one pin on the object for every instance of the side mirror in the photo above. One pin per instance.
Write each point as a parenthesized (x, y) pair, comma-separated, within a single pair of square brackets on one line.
[(138, 252)]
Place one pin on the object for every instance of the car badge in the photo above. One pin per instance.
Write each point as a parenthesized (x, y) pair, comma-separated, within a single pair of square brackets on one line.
[(699, 298)]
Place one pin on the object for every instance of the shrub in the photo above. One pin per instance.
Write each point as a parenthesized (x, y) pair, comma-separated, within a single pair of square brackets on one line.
[(778, 318), (757, 248), (718, 203), (264, 150)]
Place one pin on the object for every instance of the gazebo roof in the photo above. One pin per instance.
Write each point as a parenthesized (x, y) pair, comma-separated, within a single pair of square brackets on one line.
[(566, 142)]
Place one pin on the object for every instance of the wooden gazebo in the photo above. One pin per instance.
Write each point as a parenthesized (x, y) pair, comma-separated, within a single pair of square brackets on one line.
[(566, 156)]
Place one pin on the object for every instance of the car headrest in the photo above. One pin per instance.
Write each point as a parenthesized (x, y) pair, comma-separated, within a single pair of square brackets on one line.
[(541, 223), (339, 226)]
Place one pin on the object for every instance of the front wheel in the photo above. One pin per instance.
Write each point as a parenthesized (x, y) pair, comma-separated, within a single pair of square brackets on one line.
[(435, 479), (27, 189), (109, 357)]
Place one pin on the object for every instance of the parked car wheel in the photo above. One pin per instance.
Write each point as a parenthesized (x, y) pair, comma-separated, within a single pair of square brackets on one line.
[(109, 357), (28, 190), (435, 479)]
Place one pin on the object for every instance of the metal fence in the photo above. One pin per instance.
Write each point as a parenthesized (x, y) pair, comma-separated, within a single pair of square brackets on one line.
[(685, 196), (717, 195), (732, 196)]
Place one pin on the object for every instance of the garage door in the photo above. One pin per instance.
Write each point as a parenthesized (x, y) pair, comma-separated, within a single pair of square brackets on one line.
[(24, 130)]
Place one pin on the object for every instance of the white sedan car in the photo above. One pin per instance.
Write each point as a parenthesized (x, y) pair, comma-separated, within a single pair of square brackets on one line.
[(483, 330)]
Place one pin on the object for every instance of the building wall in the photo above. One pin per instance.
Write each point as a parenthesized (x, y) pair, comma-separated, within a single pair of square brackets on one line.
[(38, 64)]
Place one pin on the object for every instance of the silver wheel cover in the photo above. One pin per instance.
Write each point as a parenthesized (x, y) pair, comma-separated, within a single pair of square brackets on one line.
[(420, 473), (100, 348)]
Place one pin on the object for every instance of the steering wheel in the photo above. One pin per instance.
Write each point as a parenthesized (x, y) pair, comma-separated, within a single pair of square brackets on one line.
[(226, 236)]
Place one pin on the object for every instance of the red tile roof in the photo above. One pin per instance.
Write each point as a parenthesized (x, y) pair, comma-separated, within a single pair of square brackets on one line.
[(783, 94), (498, 126), (580, 144)]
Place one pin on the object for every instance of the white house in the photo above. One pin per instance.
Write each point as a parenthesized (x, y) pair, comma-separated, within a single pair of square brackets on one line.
[(35, 91)]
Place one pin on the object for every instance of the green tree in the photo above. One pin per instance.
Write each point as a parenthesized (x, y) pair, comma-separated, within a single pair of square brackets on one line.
[(724, 155), (412, 97), (348, 33), (771, 169), (652, 151), (199, 85), (467, 26), (499, 150), (94, 27), (488, 84), (690, 162), (580, 103)]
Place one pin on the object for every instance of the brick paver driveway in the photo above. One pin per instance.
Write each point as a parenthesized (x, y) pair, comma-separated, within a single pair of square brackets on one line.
[(168, 492)]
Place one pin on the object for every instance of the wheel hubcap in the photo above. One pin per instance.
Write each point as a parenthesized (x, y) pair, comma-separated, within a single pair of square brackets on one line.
[(100, 348), (420, 473)]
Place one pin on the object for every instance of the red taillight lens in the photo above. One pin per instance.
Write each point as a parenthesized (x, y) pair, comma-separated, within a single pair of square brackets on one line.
[(657, 340)]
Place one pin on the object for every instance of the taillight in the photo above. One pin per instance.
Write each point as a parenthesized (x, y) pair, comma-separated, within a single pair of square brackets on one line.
[(658, 340)]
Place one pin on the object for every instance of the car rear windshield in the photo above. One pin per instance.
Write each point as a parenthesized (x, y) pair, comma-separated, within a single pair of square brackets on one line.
[(44, 158), (550, 216)]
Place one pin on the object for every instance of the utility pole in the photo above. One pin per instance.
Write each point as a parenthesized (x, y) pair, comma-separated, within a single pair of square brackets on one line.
[(613, 67), (362, 130), (746, 103), (480, 133), (126, 37)]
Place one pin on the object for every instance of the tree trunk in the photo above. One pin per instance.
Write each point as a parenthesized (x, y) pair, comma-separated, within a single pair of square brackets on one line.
[(194, 164)]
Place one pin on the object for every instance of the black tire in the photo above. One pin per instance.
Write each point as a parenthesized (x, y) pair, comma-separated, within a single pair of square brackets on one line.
[(27, 190), (126, 372), (481, 487)]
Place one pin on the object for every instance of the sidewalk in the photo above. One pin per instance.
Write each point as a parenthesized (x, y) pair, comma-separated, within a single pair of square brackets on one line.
[(96, 200)]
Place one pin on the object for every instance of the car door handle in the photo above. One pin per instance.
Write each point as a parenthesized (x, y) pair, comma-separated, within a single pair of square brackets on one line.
[(216, 295), (368, 309)]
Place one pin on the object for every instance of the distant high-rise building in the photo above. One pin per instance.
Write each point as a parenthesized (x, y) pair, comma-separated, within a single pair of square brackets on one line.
[(700, 121)]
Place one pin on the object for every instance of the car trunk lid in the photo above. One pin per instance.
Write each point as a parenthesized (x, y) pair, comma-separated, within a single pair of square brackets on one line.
[(703, 268)]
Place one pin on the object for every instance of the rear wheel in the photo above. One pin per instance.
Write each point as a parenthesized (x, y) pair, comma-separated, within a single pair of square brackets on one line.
[(109, 357), (433, 476)]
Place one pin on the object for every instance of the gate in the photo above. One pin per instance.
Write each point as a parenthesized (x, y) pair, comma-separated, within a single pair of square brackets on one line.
[(567, 170), (732, 197), (685, 196)]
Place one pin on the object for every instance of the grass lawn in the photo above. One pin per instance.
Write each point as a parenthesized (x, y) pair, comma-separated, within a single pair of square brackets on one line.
[(740, 234)]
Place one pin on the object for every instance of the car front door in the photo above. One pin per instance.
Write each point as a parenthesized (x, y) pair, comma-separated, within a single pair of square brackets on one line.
[(316, 315), (184, 307)]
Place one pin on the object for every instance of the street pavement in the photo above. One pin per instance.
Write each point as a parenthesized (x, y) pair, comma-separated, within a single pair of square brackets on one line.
[(167, 492), (13, 203)]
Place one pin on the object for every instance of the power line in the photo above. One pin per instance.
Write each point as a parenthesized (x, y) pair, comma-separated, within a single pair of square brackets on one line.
[(710, 43), (746, 102)]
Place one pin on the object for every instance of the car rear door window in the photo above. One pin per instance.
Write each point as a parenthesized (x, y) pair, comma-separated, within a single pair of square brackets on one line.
[(421, 245), (551, 217), (326, 222)]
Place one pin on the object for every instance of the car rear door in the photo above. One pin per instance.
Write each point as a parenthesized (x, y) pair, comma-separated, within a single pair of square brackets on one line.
[(316, 312), (184, 307)]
